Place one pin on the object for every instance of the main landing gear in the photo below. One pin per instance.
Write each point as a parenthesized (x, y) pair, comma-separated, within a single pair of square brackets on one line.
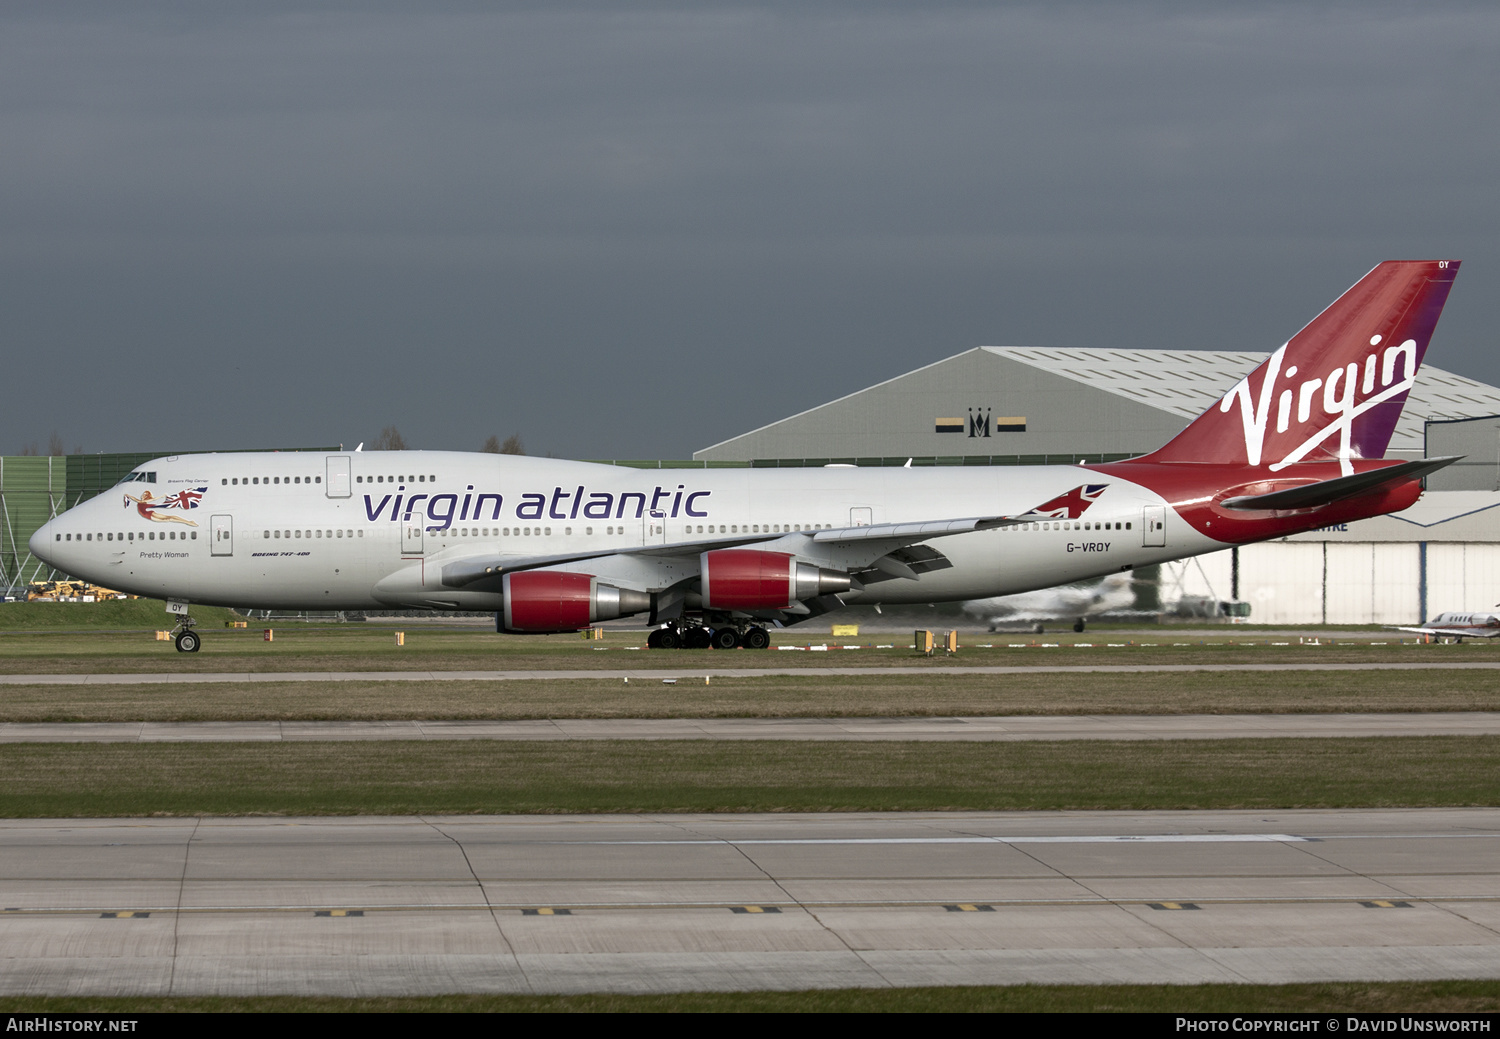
[(695, 636)]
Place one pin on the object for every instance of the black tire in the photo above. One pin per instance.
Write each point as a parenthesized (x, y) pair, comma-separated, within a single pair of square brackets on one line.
[(756, 638), (726, 638), (668, 638), (698, 638), (1078, 625), (188, 642), (653, 640)]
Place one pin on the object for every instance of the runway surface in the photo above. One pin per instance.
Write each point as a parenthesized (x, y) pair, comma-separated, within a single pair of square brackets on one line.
[(1013, 728), (656, 674), (368, 906)]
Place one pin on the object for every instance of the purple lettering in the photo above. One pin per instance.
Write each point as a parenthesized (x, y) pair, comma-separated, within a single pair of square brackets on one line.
[(373, 514)]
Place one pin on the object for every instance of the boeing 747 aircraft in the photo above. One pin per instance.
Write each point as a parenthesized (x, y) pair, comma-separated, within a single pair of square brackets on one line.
[(712, 557)]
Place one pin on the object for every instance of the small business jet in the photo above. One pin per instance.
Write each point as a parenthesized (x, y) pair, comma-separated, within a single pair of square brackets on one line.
[(1460, 626), (1075, 603), (712, 557)]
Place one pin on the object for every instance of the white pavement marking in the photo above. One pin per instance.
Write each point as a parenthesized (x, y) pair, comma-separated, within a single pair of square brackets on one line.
[(981, 729)]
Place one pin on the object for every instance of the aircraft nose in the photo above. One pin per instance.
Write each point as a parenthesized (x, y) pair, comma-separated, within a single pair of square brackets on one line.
[(41, 543)]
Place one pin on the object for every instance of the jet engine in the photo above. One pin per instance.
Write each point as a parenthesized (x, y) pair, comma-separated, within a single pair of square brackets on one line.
[(548, 600), (748, 579)]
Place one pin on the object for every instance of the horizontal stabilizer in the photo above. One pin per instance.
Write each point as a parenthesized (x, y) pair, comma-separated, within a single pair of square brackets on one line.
[(1326, 492)]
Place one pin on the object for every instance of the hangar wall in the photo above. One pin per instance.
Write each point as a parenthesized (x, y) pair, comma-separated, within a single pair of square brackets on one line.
[(1441, 555)]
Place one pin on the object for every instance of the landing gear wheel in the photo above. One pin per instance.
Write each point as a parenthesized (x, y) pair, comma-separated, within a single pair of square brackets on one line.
[(188, 642), (755, 638), (653, 640), (1078, 625), (667, 638), (1038, 629), (698, 638), (726, 638)]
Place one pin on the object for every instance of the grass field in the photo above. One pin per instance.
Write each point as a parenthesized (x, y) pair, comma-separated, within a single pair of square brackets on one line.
[(406, 778), (810, 696), (1358, 997), (371, 647), (110, 614)]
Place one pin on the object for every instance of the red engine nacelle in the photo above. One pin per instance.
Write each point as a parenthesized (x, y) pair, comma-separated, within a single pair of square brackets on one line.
[(548, 600), (748, 579)]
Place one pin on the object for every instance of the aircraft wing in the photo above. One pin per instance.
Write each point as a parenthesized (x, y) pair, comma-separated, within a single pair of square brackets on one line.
[(860, 547)]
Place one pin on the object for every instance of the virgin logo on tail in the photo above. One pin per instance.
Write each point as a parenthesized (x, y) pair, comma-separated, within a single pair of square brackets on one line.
[(1340, 388), (1337, 386)]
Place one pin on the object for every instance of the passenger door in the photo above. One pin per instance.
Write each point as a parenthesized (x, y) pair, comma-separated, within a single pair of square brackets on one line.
[(413, 530), (1154, 526), (221, 541), (337, 480)]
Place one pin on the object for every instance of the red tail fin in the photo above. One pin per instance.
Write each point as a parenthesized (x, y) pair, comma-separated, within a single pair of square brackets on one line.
[(1336, 389)]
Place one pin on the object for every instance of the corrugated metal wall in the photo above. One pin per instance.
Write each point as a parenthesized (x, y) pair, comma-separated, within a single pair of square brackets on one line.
[(1345, 583)]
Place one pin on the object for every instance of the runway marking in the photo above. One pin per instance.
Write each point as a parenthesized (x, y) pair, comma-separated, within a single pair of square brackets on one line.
[(1381, 903), (754, 909), (965, 907), (994, 904), (1173, 905), (1160, 838)]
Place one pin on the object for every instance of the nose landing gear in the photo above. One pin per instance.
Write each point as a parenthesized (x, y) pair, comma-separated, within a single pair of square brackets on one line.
[(186, 639)]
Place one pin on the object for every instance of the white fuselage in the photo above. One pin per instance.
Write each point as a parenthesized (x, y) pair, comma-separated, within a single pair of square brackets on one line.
[(371, 530)]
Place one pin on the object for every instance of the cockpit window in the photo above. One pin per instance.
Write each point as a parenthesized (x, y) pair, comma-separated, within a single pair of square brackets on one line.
[(138, 478)]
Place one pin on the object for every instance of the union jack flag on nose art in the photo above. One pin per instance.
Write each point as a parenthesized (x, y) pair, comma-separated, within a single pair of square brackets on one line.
[(1070, 505), (183, 499)]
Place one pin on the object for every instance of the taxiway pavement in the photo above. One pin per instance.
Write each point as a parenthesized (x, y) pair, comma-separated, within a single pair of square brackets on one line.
[(658, 674), (986, 729), (367, 906)]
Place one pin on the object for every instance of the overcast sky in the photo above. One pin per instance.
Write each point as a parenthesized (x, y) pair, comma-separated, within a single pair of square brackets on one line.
[(633, 230)]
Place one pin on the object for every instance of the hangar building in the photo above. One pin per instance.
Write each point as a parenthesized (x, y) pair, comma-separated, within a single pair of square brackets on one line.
[(1038, 406), (1012, 405)]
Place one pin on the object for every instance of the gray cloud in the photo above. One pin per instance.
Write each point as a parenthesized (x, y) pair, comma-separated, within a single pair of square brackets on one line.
[(631, 233)]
